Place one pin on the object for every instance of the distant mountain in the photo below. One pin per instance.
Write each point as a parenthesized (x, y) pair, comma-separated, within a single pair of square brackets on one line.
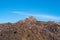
[(30, 29)]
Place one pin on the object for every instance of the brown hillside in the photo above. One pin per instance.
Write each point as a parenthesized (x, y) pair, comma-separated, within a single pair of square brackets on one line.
[(30, 29)]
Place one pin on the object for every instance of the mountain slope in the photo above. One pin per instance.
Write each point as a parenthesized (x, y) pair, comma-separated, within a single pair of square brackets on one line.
[(30, 29)]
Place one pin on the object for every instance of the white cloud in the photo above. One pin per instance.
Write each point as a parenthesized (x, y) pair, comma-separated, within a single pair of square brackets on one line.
[(44, 16)]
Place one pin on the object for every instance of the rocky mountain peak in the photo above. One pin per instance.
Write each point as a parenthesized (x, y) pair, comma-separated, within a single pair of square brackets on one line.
[(28, 20), (31, 18), (30, 29)]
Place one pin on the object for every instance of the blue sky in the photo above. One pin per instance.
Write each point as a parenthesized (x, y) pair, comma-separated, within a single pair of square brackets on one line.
[(15, 10)]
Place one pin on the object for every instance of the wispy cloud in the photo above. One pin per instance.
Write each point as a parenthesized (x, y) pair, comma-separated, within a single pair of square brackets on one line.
[(44, 16)]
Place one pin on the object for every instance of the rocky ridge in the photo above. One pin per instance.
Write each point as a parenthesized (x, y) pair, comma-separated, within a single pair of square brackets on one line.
[(30, 29)]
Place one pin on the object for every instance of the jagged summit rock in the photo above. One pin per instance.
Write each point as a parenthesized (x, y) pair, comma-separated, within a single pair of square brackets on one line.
[(31, 18)]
